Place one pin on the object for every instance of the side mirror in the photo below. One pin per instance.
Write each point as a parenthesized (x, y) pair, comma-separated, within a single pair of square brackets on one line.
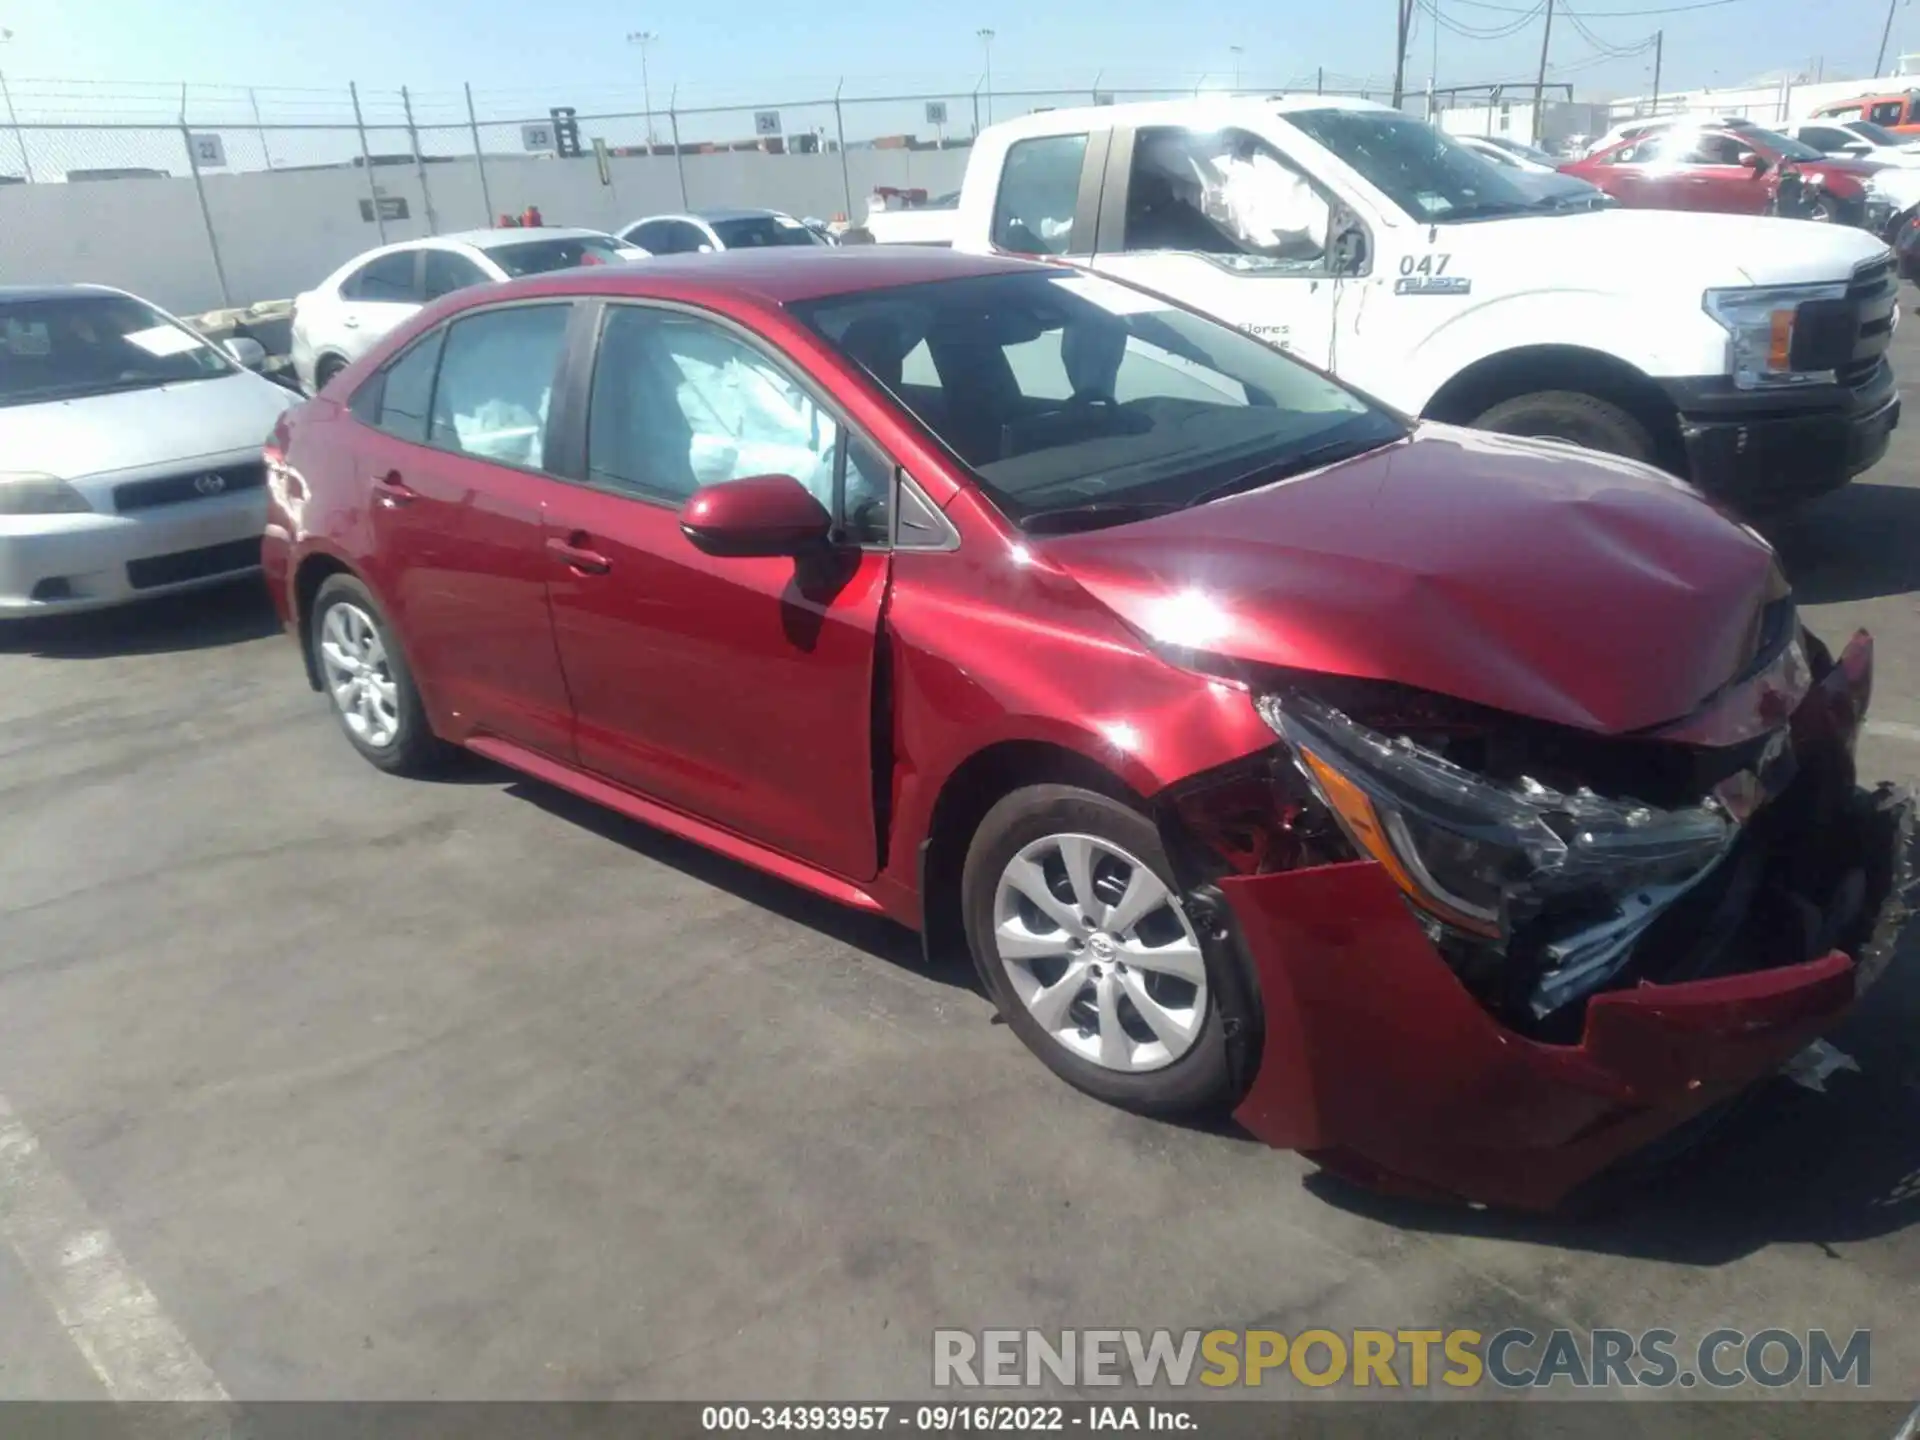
[(703, 249), (1755, 162), (760, 515), (246, 351)]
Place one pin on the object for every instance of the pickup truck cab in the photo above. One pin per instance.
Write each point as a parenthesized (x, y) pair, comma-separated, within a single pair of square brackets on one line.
[(1898, 113), (1747, 354)]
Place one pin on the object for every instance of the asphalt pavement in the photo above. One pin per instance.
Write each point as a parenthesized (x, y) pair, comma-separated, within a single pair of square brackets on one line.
[(320, 1084)]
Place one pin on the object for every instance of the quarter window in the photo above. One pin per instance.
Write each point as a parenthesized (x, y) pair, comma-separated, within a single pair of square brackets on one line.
[(496, 383), (406, 391), (1039, 192)]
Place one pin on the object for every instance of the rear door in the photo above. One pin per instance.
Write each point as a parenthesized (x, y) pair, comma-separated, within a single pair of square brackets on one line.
[(739, 690), (383, 293), (457, 475)]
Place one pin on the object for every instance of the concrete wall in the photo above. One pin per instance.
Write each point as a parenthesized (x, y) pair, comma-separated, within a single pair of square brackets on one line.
[(280, 232)]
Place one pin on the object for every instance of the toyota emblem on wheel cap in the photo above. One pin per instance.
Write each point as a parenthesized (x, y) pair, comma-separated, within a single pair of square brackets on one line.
[(210, 484)]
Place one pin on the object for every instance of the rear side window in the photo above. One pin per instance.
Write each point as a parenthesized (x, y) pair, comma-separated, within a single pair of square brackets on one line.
[(389, 278), (537, 257), (1039, 192), (447, 272), (496, 383), (1888, 112)]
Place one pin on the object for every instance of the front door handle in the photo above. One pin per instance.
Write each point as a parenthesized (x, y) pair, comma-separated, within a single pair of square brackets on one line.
[(391, 491), (349, 323), (582, 561)]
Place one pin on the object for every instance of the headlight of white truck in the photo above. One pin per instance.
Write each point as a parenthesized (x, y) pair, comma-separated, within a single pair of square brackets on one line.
[(1761, 321)]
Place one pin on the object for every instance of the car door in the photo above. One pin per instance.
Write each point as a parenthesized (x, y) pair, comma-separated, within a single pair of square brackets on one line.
[(1221, 220), (738, 690), (380, 295), (1724, 175), (456, 470)]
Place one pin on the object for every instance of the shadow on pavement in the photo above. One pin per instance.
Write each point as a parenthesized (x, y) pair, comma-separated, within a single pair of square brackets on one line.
[(1855, 544), (226, 614), (872, 934), (1792, 1167)]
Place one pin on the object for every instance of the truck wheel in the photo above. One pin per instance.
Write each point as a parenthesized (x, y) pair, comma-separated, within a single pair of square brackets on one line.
[(1077, 929), (1578, 419)]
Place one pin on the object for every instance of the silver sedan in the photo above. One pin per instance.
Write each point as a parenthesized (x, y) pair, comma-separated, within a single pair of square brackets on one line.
[(130, 451)]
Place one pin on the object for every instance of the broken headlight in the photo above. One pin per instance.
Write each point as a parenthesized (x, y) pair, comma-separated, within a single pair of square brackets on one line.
[(1472, 853)]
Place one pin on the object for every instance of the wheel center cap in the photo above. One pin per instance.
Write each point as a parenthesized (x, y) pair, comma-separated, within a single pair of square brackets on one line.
[(1101, 945)]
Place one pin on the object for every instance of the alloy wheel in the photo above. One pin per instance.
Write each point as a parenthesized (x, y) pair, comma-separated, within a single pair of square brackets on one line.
[(358, 675), (1099, 951)]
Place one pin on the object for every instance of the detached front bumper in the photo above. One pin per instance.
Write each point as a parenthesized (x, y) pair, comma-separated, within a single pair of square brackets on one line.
[(1381, 1066), (1761, 450)]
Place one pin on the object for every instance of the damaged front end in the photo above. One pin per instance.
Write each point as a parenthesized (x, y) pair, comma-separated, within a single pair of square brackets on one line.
[(1496, 955)]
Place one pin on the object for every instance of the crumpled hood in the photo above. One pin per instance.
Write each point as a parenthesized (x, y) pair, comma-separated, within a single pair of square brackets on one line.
[(131, 429), (1523, 575)]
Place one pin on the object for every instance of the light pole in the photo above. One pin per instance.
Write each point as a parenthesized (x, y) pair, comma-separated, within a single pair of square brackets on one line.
[(1238, 51), (26, 165), (986, 47), (644, 38)]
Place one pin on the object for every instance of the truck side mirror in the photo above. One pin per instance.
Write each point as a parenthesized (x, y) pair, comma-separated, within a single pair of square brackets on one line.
[(1347, 255)]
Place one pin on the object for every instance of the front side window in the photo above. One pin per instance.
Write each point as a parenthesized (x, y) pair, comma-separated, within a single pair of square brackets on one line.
[(446, 272), (537, 257), (1874, 134), (1224, 192), (754, 232), (1039, 192), (688, 238), (1078, 401), (1827, 138), (389, 279), (1424, 171), (65, 347), (496, 383)]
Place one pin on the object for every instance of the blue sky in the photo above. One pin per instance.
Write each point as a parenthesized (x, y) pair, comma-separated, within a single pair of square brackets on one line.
[(521, 57)]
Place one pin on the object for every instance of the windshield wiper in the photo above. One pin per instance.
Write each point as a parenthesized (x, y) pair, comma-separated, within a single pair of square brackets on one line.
[(1092, 514), (1489, 210), (1331, 453)]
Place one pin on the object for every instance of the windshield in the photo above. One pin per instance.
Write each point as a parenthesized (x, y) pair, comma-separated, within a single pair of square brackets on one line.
[(1077, 401), (1877, 134), (749, 232), (1424, 171), (536, 257), (68, 346)]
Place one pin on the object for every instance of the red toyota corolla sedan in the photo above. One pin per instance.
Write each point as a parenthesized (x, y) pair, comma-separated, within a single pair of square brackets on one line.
[(1464, 812)]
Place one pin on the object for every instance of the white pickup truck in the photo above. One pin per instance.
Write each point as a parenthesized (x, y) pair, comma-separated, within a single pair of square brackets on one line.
[(1743, 353)]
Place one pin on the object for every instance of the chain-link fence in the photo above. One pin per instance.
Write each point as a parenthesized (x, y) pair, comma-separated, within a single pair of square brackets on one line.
[(226, 198)]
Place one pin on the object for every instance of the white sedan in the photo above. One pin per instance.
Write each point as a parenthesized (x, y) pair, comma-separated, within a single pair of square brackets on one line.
[(342, 317), (1859, 140), (130, 451)]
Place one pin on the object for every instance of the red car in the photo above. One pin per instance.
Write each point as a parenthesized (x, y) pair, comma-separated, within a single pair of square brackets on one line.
[(1463, 811), (1739, 170)]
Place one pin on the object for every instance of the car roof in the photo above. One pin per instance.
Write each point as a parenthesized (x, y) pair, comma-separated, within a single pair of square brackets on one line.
[(772, 276), (735, 213), (1182, 112), (55, 292), (515, 235)]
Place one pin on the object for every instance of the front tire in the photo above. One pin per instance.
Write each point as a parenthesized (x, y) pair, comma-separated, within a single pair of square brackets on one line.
[(367, 681), (1576, 418), (1076, 926), (323, 372)]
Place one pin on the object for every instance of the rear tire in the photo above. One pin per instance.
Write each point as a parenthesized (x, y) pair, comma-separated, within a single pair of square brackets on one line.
[(1576, 418), (367, 682), (1123, 1008)]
